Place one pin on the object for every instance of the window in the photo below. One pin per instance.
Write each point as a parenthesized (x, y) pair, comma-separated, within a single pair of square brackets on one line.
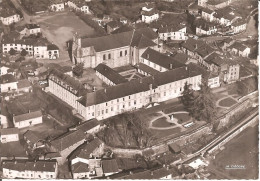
[(132, 53), (109, 56), (134, 102), (104, 57), (129, 97), (102, 111), (117, 100), (123, 99), (125, 52), (121, 53), (112, 109), (129, 104), (106, 110)]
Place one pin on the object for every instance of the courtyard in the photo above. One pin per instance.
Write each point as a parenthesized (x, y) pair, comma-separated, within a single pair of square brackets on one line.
[(59, 28)]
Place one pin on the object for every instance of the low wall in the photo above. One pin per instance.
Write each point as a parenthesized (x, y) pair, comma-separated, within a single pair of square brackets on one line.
[(253, 121)]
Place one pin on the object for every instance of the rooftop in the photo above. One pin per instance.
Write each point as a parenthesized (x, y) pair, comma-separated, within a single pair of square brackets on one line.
[(7, 78), (239, 46), (147, 69), (172, 28), (8, 131), (110, 74), (31, 136), (79, 167), (162, 60), (110, 166), (68, 139), (85, 150), (32, 26), (22, 165), (87, 125), (23, 84), (27, 116)]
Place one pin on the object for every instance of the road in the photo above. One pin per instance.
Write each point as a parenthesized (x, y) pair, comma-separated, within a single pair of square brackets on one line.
[(220, 138), (26, 17)]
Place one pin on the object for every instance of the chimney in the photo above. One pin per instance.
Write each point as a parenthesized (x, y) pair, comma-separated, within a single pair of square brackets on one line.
[(196, 46), (167, 167), (94, 89), (147, 55), (186, 68), (170, 65), (151, 86), (105, 90), (151, 172), (141, 80), (44, 165), (85, 86), (29, 111), (131, 173), (15, 162), (164, 165)]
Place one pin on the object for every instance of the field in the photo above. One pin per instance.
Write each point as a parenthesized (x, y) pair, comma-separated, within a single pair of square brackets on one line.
[(242, 150), (60, 27)]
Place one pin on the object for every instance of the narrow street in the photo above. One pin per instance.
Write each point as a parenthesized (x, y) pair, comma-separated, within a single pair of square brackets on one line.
[(26, 17)]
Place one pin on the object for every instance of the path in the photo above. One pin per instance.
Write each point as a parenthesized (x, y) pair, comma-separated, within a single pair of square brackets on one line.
[(175, 121)]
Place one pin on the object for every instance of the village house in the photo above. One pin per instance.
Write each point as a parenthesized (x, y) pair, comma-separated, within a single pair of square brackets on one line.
[(108, 75), (32, 29), (226, 16), (8, 83), (25, 169), (32, 140), (239, 49), (6, 70), (88, 127), (238, 26), (87, 151), (39, 48), (67, 143), (9, 16), (3, 122), (112, 26), (159, 61), (149, 16), (79, 5), (110, 167), (9, 135), (24, 85), (80, 170), (114, 50), (205, 28), (174, 32), (57, 5), (27, 119), (207, 14)]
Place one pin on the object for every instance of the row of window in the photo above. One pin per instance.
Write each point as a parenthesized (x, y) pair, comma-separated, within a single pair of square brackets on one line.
[(108, 56)]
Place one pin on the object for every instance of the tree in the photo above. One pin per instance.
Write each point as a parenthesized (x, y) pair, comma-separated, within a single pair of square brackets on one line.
[(187, 96), (24, 53), (12, 51), (203, 106), (78, 69)]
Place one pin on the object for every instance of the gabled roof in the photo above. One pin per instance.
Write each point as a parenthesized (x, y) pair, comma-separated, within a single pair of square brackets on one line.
[(84, 151), (172, 28), (7, 78), (206, 10), (141, 41), (150, 13), (161, 59), (32, 26), (203, 24), (88, 125), (147, 69), (110, 74), (31, 136), (8, 131), (23, 84), (239, 46), (52, 47), (22, 165), (204, 51), (79, 167), (192, 44), (110, 166), (108, 42), (27, 116), (68, 139), (215, 59), (114, 24)]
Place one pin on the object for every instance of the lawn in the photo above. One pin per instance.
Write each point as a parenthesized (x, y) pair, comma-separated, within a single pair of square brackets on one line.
[(182, 117), (172, 109), (244, 153), (60, 27), (162, 123), (228, 102), (12, 148)]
